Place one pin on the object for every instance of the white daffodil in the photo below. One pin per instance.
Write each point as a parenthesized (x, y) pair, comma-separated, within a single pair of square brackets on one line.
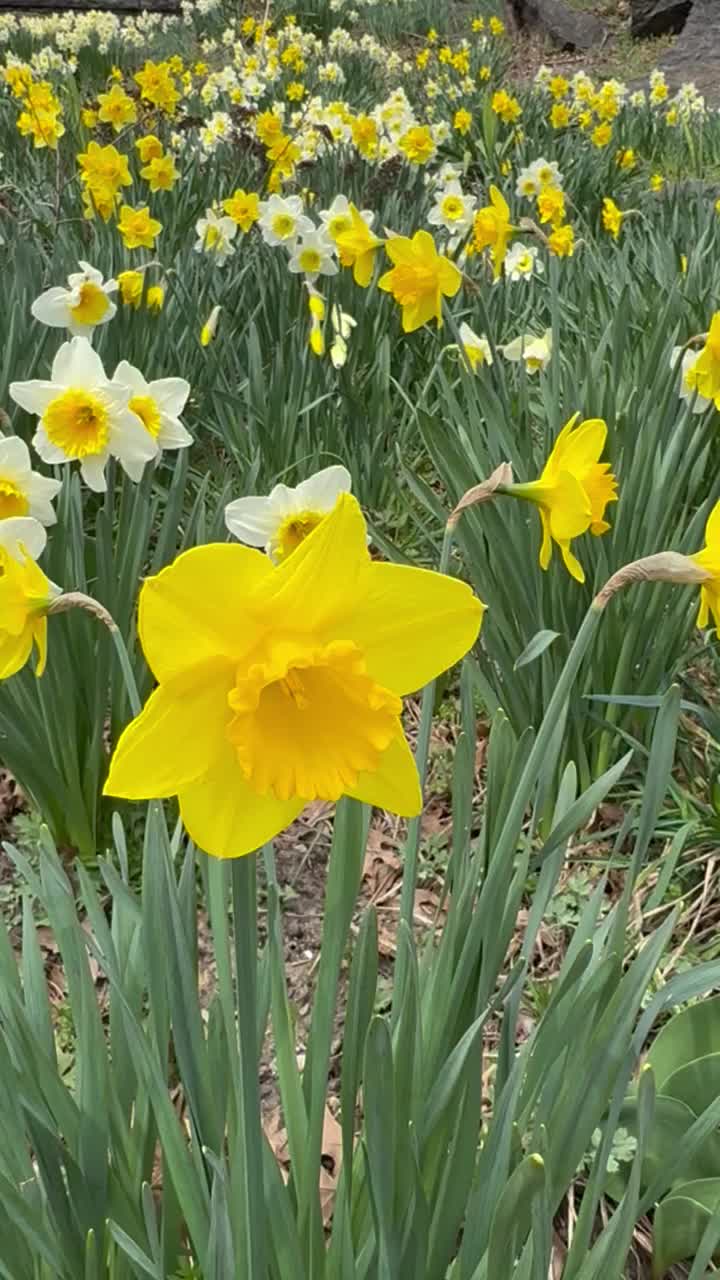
[(475, 346), (282, 520), (522, 262), (82, 306), (343, 325), (215, 234), (22, 536), (528, 183), (698, 403), (84, 417), (546, 173), (282, 220), (157, 404), (535, 352), (313, 255), (23, 492), (452, 210), (338, 218)]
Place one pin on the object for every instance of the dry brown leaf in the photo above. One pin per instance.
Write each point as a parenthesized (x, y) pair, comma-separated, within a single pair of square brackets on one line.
[(331, 1162), (331, 1157), (382, 870)]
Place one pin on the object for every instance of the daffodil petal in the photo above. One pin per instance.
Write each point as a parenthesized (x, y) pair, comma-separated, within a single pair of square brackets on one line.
[(411, 624), (176, 737), (14, 652), (323, 579), (395, 784), (570, 510), (546, 544), (200, 607), (572, 565), (226, 818)]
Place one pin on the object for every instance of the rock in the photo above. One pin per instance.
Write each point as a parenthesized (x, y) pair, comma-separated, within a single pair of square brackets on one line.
[(695, 56), (658, 17), (568, 28)]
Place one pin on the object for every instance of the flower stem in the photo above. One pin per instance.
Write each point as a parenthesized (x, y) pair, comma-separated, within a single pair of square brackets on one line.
[(412, 844), (77, 600)]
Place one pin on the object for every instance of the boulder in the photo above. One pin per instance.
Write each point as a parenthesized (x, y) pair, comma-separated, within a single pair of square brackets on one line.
[(658, 17), (695, 56), (566, 27)]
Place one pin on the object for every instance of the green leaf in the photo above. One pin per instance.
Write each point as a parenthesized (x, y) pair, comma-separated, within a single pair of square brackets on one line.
[(539, 643), (681, 1221), (690, 1034)]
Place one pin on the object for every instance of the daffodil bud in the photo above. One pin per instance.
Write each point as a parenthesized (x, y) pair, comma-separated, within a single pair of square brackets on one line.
[(665, 566)]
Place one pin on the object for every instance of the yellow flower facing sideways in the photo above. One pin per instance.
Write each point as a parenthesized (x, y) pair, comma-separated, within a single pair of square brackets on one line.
[(612, 217), (573, 490), (25, 595), (709, 559), (282, 685), (703, 375), (420, 278), (492, 229), (357, 248)]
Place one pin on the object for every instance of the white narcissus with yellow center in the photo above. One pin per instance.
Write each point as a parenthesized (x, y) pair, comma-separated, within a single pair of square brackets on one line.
[(23, 492), (313, 255), (158, 405), (215, 235), (534, 351), (80, 307), (84, 417), (283, 519)]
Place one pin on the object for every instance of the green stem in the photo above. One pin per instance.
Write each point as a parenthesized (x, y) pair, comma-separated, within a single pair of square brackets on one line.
[(77, 600), (412, 844), (250, 1150)]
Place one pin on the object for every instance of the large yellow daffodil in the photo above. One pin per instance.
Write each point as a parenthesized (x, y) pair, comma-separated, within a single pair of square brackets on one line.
[(283, 685)]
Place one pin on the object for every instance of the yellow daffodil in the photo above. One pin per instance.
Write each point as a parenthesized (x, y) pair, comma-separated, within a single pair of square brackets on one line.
[(365, 136), (492, 229), (116, 108), (243, 208), (420, 278), (709, 559), (462, 121), (130, 284), (612, 217), (357, 248), (703, 375), (560, 116), (149, 148), (506, 107), (282, 685), (155, 299), (558, 86), (572, 491), (103, 170), (657, 182), (418, 144), (551, 206), (137, 228), (25, 596), (161, 173), (601, 135), (561, 241)]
